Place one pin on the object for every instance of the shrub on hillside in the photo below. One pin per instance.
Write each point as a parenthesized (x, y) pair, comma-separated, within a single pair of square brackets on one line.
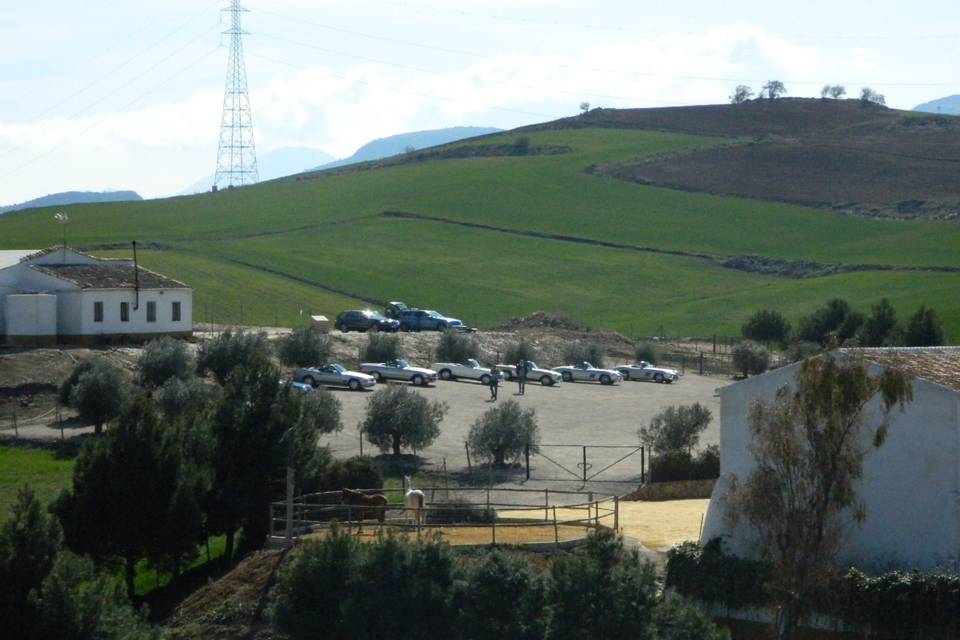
[(304, 347), (584, 351), (456, 347), (380, 347), (750, 358), (230, 350), (523, 349), (163, 359), (766, 325), (646, 351)]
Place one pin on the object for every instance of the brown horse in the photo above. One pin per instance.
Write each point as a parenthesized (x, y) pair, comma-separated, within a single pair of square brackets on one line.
[(367, 505)]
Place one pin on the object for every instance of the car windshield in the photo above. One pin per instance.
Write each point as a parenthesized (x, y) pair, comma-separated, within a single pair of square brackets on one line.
[(433, 314), (335, 368), (373, 315), (532, 365), (402, 364), (473, 363)]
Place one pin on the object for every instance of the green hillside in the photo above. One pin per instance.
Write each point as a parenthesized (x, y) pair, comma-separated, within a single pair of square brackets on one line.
[(472, 240)]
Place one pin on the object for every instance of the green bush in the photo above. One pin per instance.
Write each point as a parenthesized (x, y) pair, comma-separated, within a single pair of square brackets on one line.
[(798, 351), (708, 574), (230, 350), (503, 432), (178, 398), (766, 325), (676, 428), (750, 358), (98, 390), (163, 359), (501, 599), (399, 418), (523, 349), (304, 347), (924, 329), (673, 466), (358, 472), (456, 347), (584, 351), (646, 351), (380, 347), (460, 511)]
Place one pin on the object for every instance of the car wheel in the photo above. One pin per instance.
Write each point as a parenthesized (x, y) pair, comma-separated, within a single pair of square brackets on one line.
[(418, 380), (605, 379), (625, 374), (378, 376), (546, 381), (485, 380), (658, 377), (354, 385), (309, 380), (445, 374), (567, 376)]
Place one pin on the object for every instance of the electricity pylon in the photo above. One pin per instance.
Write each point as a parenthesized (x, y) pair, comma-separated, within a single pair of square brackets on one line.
[(236, 155)]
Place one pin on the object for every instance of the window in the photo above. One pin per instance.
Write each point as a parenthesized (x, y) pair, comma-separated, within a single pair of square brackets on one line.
[(176, 312), (98, 312), (124, 312), (151, 312)]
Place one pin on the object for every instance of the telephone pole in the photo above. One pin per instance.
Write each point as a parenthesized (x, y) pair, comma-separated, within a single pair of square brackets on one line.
[(236, 155)]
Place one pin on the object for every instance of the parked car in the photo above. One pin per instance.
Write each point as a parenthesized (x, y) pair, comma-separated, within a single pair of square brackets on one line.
[(334, 374), (586, 372), (365, 321), (471, 370), (545, 377), (428, 320), (399, 370), (396, 309), (298, 386), (643, 370)]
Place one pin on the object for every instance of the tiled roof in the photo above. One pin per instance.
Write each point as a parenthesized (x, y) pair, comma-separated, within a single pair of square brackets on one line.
[(108, 276), (43, 252), (936, 364)]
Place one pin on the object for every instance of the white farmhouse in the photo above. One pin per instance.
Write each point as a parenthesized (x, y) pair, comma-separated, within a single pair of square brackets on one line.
[(62, 295), (910, 486)]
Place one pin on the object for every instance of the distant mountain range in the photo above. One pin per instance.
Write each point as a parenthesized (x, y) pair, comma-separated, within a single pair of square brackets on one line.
[(72, 197), (274, 164), (949, 106), (403, 142)]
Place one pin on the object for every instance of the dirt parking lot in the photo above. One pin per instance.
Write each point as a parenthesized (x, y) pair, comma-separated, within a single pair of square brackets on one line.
[(568, 414)]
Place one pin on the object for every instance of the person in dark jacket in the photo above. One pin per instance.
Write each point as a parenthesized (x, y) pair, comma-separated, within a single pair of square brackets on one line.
[(494, 384), (521, 376)]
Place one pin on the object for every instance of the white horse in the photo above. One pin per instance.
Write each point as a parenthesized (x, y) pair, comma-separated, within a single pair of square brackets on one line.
[(413, 499)]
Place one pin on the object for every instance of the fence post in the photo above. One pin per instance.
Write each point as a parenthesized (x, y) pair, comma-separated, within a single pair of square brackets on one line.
[(616, 514), (714, 344), (16, 430), (289, 504), (60, 422), (584, 465), (596, 514), (466, 446), (643, 465), (493, 528), (546, 504), (701, 363), (556, 532), (526, 454)]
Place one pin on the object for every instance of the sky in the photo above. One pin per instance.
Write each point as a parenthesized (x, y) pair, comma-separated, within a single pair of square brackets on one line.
[(111, 94)]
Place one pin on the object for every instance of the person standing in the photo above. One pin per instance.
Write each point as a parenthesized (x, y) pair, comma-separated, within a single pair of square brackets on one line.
[(494, 384), (521, 377)]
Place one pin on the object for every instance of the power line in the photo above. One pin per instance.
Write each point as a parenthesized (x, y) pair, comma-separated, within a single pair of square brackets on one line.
[(626, 72), (109, 116), (115, 91), (406, 91), (582, 94)]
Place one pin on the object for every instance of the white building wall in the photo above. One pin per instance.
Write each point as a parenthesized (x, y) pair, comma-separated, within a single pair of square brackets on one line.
[(910, 486), (69, 313), (30, 315), (82, 307)]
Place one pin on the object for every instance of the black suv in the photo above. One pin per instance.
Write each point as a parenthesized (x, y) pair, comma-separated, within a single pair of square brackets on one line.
[(364, 321)]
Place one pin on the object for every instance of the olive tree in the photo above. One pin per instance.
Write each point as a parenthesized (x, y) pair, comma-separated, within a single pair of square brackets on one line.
[(924, 329), (808, 444), (399, 418), (750, 358), (766, 325), (774, 89), (676, 428), (229, 350), (163, 359), (97, 390), (503, 432), (304, 347), (742, 93)]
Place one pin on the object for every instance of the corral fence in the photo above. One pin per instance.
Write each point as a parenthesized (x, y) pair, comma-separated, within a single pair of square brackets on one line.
[(484, 514), (13, 418)]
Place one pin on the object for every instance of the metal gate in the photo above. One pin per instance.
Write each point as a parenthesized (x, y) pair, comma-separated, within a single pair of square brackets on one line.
[(586, 463)]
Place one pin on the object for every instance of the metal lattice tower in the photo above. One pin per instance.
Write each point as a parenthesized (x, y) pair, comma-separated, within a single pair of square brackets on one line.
[(236, 155)]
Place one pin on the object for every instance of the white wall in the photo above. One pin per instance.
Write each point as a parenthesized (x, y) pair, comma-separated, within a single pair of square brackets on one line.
[(910, 486), (30, 315), (78, 312)]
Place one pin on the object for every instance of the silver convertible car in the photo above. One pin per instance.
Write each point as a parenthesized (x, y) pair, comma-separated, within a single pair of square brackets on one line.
[(470, 370), (334, 375), (586, 372), (399, 370), (643, 370)]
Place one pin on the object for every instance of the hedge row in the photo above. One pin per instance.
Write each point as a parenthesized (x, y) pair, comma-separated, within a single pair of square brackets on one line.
[(893, 605)]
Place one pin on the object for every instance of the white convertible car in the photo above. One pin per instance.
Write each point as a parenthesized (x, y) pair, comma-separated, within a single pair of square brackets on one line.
[(643, 370), (399, 370), (471, 370), (545, 377), (586, 372), (334, 374)]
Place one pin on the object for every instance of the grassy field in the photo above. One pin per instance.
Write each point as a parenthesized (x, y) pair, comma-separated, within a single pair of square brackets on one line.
[(39, 468), (319, 244)]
